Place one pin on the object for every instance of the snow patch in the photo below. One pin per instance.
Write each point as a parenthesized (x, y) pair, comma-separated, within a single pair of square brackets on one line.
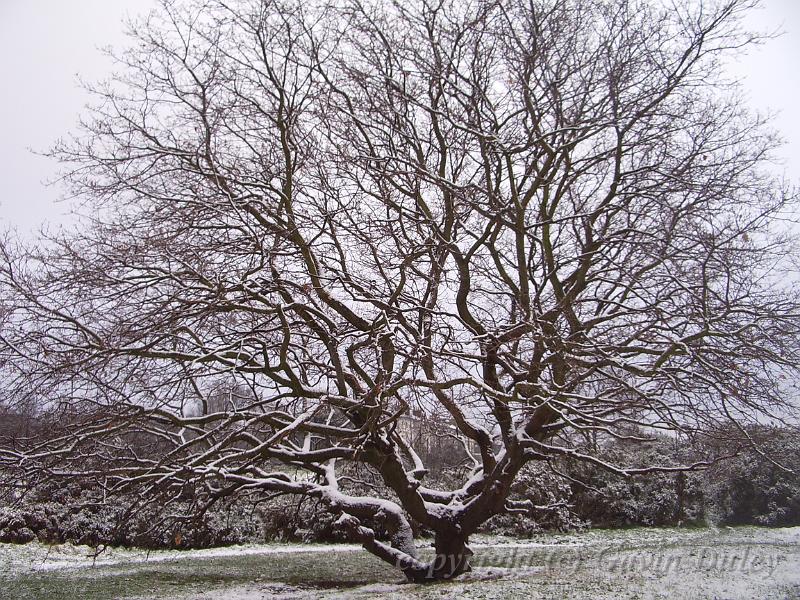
[(36, 557)]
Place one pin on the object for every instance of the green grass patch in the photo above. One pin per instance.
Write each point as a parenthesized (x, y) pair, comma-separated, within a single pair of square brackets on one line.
[(310, 570)]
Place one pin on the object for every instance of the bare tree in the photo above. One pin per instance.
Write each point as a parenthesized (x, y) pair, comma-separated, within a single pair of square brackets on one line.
[(542, 221)]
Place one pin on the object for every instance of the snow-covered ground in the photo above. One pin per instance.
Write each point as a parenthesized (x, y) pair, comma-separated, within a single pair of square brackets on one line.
[(740, 563), (37, 557)]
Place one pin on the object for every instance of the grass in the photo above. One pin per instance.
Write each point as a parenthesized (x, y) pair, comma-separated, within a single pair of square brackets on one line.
[(302, 570), (636, 563)]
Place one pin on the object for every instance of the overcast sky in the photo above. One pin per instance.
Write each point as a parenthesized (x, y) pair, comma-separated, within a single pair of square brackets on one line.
[(46, 44)]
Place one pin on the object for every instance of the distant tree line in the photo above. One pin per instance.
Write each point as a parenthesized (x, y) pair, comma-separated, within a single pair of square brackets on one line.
[(751, 487)]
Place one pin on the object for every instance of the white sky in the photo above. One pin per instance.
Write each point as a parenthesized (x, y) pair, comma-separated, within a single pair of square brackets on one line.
[(45, 44)]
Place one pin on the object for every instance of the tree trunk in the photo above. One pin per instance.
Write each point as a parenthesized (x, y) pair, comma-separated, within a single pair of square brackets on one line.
[(451, 560)]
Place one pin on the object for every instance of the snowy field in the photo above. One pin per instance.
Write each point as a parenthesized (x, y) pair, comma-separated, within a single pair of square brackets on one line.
[(741, 563)]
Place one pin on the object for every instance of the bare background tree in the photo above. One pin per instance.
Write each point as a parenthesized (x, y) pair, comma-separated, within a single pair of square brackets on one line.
[(540, 222)]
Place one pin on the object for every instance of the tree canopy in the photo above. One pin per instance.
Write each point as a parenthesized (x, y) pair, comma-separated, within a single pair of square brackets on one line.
[(537, 222)]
